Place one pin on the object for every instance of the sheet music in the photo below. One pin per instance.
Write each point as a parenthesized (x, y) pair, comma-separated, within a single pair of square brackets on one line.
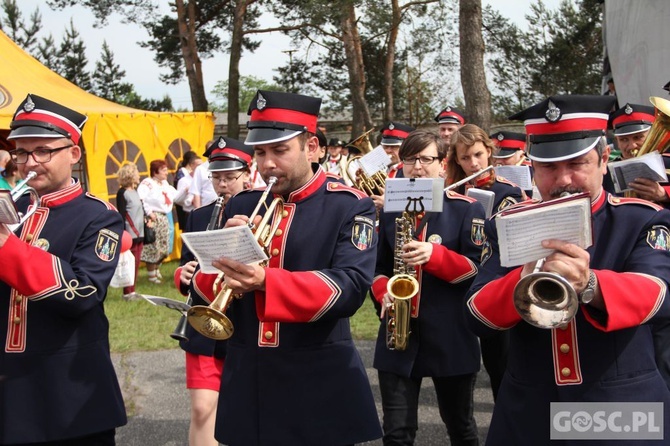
[(8, 212), (375, 161), (520, 234), (426, 193), (519, 175), (649, 166), (237, 243), (485, 197)]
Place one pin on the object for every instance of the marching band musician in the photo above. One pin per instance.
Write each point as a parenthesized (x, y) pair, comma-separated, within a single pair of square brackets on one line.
[(335, 162), (57, 381), (293, 375), (605, 353), (511, 151), (449, 119), (229, 167), (471, 151), (631, 124), (445, 255)]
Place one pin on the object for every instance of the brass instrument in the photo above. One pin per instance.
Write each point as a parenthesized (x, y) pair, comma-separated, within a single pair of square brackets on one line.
[(211, 321), (545, 299), (403, 286), (658, 138), (370, 184), (12, 217), (179, 333)]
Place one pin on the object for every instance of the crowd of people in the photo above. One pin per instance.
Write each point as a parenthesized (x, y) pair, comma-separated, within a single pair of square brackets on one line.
[(289, 373)]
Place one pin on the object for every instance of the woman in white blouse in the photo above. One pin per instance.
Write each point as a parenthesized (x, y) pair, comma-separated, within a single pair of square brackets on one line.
[(157, 197)]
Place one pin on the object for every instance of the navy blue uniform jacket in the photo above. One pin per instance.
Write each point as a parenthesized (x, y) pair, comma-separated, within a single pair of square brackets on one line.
[(440, 344), (56, 375), (293, 375), (597, 357)]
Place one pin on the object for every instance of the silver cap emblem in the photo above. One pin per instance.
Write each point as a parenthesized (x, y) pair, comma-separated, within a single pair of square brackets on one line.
[(553, 113), (628, 110), (222, 143), (261, 102), (29, 105)]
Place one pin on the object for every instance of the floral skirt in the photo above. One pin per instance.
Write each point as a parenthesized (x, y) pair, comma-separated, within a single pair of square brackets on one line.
[(157, 251)]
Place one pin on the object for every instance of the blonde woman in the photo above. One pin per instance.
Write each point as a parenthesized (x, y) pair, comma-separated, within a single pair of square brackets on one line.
[(129, 205)]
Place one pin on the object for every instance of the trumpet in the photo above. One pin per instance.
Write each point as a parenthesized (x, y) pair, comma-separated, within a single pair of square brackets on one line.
[(12, 217), (179, 333), (545, 299), (211, 321)]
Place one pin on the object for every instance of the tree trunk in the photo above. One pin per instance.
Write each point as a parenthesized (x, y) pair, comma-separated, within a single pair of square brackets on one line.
[(234, 69), (192, 63), (354, 55), (389, 107), (473, 77)]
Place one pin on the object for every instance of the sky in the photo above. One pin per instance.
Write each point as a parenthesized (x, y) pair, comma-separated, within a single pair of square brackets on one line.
[(143, 72)]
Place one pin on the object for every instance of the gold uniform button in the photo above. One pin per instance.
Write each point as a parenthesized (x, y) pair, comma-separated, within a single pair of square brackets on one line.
[(335, 185), (275, 252), (29, 237), (17, 320), (268, 335), (563, 327), (565, 371), (18, 299), (565, 348), (278, 232), (284, 213), (615, 200)]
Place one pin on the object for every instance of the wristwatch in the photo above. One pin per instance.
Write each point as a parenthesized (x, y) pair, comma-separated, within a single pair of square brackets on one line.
[(589, 292)]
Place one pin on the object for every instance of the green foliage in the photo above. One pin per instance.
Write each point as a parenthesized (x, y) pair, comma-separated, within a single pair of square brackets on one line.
[(559, 53), (16, 28), (72, 61), (140, 326), (248, 87)]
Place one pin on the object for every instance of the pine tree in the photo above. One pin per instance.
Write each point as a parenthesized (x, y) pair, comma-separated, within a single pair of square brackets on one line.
[(108, 76), (72, 59)]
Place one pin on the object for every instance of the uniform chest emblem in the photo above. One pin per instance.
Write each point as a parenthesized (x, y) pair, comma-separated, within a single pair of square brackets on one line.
[(42, 243), (361, 232), (657, 238), (477, 232), (106, 245)]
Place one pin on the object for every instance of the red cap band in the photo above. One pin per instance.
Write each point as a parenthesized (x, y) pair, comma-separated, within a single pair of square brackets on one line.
[(395, 132), (635, 116), (566, 125), (287, 116), (38, 115), (456, 116)]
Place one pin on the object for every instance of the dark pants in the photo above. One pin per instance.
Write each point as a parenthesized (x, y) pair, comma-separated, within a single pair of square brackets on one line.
[(105, 438), (494, 357), (661, 333), (400, 403)]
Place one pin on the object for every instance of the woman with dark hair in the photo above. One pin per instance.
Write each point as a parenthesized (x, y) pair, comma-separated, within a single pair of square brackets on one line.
[(444, 254), (9, 175), (157, 197)]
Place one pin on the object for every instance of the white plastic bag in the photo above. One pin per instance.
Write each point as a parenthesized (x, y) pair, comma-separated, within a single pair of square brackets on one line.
[(125, 271)]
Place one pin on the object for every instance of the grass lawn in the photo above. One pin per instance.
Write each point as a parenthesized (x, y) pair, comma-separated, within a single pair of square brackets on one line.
[(140, 326)]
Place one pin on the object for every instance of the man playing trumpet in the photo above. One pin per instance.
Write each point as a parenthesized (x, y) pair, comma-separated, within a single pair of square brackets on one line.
[(605, 353)]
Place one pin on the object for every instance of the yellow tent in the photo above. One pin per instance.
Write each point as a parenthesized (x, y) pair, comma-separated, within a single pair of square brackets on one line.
[(113, 134)]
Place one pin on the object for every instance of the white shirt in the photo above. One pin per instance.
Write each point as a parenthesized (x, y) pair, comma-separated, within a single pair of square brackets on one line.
[(202, 185)]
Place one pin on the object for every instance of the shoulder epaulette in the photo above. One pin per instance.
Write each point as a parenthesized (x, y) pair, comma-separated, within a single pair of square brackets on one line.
[(336, 186), (518, 205), (107, 204), (618, 201), (456, 196)]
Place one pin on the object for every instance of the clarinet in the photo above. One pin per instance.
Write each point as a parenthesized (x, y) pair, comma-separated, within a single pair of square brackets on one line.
[(179, 333)]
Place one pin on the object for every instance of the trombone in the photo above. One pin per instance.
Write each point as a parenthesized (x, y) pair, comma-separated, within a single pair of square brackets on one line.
[(211, 321)]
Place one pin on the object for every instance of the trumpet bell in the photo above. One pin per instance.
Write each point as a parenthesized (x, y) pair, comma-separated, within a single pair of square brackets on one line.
[(545, 300), (210, 322)]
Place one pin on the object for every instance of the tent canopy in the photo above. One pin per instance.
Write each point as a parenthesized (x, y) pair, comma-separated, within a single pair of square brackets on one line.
[(113, 134)]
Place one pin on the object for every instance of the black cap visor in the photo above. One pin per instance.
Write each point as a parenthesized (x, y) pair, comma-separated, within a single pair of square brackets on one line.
[(223, 165), (631, 129), (504, 153), (390, 141), (264, 135), (553, 151), (30, 131)]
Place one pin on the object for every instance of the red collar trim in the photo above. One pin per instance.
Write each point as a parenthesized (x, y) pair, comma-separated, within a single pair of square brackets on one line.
[(309, 188), (62, 196), (598, 202)]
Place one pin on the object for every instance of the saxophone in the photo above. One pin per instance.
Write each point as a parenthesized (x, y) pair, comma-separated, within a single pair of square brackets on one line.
[(403, 286)]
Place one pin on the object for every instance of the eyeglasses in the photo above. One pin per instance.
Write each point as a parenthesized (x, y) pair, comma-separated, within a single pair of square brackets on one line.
[(218, 179), (422, 159), (41, 156)]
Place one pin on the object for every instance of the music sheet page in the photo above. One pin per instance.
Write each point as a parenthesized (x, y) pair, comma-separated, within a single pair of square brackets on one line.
[(519, 175), (237, 243), (520, 234)]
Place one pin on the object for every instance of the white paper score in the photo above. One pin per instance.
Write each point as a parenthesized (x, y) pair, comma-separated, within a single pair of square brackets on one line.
[(427, 191)]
